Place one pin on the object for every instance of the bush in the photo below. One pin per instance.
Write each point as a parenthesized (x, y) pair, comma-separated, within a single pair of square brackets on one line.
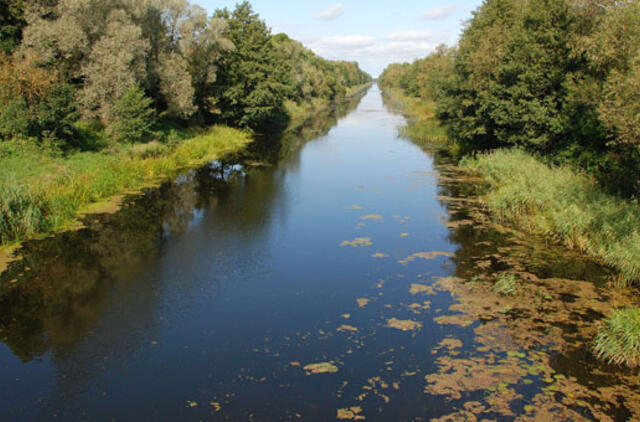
[(14, 119), (618, 338), (134, 117)]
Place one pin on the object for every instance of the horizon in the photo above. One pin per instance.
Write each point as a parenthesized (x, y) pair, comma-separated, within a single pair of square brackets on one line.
[(374, 34)]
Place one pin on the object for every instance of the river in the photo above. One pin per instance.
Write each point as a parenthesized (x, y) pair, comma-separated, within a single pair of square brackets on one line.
[(347, 273)]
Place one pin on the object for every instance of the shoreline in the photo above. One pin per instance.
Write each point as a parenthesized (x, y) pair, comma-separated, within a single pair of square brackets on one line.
[(112, 203)]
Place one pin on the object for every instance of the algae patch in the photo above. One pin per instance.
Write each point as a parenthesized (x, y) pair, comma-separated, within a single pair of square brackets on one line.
[(417, 288), (362, 302), (359, 241), (425, 255), (352, 413), (403, 324), (320, 368)]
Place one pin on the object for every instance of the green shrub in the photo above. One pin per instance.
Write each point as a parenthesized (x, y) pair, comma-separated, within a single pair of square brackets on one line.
[(134, 117), (618, 338), (14, 119)]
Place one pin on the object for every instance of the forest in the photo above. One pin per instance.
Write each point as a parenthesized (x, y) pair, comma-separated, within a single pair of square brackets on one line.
[(97, 97)]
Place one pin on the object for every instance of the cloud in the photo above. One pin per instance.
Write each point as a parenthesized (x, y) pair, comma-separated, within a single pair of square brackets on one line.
[(331, 13), (410, 36), (376, 52), (436, 13)]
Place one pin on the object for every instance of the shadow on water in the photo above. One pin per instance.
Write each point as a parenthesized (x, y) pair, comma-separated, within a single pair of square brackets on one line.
[(58, 291)]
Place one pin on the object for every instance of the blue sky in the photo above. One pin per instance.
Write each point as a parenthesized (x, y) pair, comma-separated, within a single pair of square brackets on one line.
[(371, 32)]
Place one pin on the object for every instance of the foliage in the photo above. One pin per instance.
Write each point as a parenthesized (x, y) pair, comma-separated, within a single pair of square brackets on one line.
[(250, 85), (133, 117), (618, 338), (559, 202), (41, 191), (556, 77), (11, 24)]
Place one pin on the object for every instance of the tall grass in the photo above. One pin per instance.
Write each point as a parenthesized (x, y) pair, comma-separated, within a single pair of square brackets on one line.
[(41, 191), (558, 202), (618, 339)]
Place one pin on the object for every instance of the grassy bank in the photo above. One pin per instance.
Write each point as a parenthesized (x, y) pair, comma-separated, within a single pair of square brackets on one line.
[(563, 204), (422, 127), (42, 191), (298, 112)]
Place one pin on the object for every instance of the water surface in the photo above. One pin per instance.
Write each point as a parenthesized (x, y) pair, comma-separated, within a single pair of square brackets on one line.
[(213, 296)]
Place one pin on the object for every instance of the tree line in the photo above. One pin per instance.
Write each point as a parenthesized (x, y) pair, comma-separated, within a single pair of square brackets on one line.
[(119, 66), (559, 78)]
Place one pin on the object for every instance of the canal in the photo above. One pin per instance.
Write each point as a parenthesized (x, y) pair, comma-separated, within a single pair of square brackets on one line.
[(344, 274)]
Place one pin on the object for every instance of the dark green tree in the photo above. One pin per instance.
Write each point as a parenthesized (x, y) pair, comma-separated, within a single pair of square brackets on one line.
[(250, 86), (11, 23), (134, 117)]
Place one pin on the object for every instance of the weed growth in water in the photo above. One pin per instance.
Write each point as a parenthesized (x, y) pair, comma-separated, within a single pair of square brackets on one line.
[(505, 285), (618, 339)]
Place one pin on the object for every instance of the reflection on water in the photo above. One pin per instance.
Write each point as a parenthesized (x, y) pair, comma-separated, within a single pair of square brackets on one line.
[(338, 271)]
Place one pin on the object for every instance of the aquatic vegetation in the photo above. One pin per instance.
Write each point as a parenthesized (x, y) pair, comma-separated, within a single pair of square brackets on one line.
[(404, 324), (321, 368), (352, 413), (417, 288), (425, 255), (359, 241), (558, 202), (379, 255), (354, 207), (362, 302), (347, 328), (372, 217), (506, 284), (618, 338)]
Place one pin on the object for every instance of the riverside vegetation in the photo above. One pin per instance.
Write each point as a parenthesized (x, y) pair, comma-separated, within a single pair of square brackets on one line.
[(98, 98), (541, 98)]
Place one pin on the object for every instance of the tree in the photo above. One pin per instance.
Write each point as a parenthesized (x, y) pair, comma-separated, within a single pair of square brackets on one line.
[(133, 117), (250, 84), (11, 23)]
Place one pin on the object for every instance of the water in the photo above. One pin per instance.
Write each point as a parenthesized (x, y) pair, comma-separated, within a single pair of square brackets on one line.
[(204, 299)]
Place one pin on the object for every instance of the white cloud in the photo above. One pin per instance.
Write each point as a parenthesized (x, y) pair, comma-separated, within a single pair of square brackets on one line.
[(438, 12), (410, 36), (375, 53), (331, 13)]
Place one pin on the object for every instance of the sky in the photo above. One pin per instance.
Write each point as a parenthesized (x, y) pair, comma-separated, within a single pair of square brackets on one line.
[(374, 33)]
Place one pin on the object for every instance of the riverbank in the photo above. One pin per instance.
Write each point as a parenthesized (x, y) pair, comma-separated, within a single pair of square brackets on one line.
[(556, 202), (300, 112), (43, 191)]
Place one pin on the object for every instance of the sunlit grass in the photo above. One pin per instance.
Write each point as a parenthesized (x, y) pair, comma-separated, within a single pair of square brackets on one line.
[(618, 338), (41, 191), (558, 202)]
